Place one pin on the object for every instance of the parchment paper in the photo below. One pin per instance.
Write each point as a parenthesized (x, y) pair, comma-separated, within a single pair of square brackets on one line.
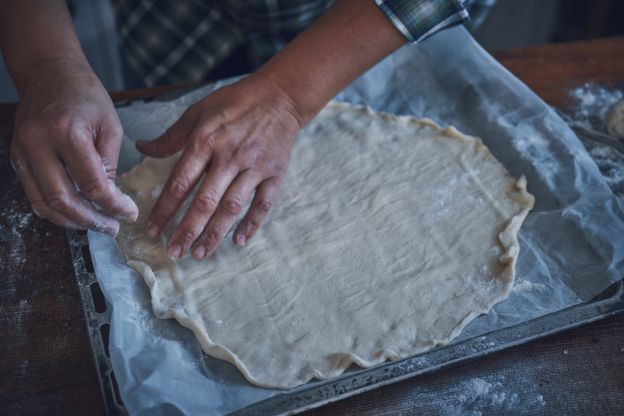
[(571, 243)]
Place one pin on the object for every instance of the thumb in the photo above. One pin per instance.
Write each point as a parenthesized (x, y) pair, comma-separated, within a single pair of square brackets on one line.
[(171, 141), (107, 145)]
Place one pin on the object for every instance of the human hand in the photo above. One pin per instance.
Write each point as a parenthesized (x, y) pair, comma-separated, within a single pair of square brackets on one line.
[(240, 136), (65, 148)]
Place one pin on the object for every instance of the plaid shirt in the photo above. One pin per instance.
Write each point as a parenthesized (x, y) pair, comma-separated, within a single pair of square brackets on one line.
[(164, 42)]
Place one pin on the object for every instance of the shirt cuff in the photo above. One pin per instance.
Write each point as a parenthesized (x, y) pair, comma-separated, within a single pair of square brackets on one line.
[(419, 19)]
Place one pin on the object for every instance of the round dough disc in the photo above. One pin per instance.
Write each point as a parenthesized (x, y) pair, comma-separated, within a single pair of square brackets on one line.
[(390, 234)]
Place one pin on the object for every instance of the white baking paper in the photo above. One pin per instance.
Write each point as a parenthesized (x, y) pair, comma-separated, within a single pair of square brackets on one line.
[(571, 243)]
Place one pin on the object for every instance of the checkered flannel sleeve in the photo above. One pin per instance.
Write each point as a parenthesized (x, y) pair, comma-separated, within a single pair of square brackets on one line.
[(419, 19)]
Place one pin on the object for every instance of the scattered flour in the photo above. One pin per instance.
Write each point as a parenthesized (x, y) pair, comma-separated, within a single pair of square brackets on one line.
[(611, 165), (594, 101), (13, 223), (157, 190), (478, 396), (531, 145), (526, 286)]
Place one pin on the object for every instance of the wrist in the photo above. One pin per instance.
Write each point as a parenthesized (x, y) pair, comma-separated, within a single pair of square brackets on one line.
[(54, 71), (282, 95), (347, 40), (296, 90)]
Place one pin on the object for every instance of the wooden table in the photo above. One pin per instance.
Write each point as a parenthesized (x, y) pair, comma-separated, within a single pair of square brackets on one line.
[(46, 365)]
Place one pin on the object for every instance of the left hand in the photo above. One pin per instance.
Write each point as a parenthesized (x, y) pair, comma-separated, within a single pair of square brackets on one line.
[(239, 136)]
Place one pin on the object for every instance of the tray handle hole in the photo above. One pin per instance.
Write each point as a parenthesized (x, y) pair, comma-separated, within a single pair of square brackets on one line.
[(104, 334), (116, 394), (86, 255), (99, 302)]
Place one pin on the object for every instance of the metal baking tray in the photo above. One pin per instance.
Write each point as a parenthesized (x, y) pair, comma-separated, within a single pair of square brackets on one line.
[(355, 381), (97, 316)]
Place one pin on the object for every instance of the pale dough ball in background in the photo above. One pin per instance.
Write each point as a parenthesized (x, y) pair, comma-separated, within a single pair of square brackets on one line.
[(615, 120)]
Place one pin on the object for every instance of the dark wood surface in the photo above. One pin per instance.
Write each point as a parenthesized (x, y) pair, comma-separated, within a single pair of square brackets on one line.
[(46, 365)]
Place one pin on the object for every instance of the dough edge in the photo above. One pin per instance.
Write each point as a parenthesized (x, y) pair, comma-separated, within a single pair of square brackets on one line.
[(508, 239)]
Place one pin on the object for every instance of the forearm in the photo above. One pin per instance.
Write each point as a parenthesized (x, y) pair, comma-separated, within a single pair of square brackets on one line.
[(37, 31), (348, 39)]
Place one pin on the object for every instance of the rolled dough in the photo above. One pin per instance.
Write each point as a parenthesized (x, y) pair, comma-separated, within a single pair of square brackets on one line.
[(390, 234)]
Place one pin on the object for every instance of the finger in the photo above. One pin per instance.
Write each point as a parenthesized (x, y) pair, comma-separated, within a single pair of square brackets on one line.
[(34, 196), (88, 172), (260, 206), (204, 204), (173, 139), (108, 143), (185, 175), (230, 207), (59, 193)]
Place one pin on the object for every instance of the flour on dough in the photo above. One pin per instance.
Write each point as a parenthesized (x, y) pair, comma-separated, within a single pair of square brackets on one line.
[(390, 234)]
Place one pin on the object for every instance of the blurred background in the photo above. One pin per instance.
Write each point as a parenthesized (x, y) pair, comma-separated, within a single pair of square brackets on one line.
[(510, 24)]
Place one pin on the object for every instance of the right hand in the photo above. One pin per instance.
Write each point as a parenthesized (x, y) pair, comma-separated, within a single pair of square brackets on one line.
[(65, 148)]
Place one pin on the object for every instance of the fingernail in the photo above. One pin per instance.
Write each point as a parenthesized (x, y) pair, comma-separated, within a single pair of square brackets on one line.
[(133, 213), (174, 252), (240, 239), (152, 230), (132, 217), (199, 252)]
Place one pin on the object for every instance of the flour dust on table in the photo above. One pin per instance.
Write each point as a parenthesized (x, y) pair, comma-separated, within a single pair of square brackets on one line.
[(390, 234)]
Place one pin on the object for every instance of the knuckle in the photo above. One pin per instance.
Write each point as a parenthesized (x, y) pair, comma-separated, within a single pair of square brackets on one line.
[(253, 223), (206, 139), (213, 140), (62, 123), (187, 235), (94, 189), (233, 205), (241, 151), (76, 134), (210, 236), (207, 201), (90, 224), (263, 205), (115, 130), (59, 201), (248, 154), (178, 188), (110, 167), (111, 133)]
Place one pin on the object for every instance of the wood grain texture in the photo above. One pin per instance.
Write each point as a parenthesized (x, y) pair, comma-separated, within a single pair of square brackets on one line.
[(553, 71), (578, 372), (46, 365)]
